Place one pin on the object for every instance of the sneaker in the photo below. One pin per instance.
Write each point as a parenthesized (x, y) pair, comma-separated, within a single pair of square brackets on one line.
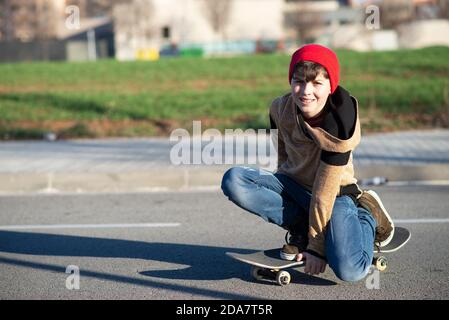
[(297, 243), (385, 226)]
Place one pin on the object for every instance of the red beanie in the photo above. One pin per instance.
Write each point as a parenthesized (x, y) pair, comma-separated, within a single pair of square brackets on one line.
[(319, 54)]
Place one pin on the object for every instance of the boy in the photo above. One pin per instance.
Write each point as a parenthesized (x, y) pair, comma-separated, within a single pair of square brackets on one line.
[(314, 194)]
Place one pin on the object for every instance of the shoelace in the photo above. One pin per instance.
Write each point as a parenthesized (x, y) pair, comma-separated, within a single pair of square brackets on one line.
[(377, 246)]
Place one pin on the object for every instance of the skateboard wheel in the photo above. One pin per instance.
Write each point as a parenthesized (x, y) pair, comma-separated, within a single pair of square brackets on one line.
[(283, 278), (255, 273), (381, 263)]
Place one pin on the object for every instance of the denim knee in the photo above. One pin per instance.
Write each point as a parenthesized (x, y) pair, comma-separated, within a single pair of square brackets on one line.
[(229, 182), (348, 272)]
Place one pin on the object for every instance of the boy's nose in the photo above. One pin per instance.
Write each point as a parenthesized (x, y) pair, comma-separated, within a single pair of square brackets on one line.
[(308, 88)]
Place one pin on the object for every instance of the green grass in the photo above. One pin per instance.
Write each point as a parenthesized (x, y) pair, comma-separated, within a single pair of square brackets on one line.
[(229, 92)]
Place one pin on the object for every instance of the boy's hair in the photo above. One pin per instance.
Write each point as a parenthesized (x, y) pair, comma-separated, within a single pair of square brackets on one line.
[(308, 70)]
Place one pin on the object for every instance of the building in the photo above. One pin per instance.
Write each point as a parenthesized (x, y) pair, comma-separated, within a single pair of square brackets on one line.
[(93, 40), (39, 30), (214, 26), (402, 24), (307, 21), (146, 29), (29, 20)]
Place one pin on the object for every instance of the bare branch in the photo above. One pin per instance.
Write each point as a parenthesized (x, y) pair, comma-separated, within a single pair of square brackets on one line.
[(217, 13)]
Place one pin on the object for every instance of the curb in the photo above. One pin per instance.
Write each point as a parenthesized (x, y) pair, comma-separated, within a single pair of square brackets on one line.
[(179, 179)]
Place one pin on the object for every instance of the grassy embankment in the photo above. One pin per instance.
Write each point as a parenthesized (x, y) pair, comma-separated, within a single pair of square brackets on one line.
[(397, 90)]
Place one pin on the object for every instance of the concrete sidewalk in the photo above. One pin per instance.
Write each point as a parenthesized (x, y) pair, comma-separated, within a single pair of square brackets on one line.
[(120, 165)]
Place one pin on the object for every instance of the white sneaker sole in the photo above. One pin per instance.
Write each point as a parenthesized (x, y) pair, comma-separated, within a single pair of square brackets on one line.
[(287, 256), (375, 196)]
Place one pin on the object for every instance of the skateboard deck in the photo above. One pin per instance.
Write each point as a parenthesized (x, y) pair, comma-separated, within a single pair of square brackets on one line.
[(400, 238), (265, 259), (268, 264)]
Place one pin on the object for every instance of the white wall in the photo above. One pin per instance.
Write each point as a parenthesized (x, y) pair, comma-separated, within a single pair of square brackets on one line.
[(183, 17), (256, 19), (189, 25), (249, 19), (424, 33)]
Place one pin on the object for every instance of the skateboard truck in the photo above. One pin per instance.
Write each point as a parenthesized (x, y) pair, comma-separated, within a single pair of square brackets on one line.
[(281, 277)]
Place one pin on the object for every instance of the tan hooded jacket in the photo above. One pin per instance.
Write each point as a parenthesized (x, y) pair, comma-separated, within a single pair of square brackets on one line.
[(319, 158)]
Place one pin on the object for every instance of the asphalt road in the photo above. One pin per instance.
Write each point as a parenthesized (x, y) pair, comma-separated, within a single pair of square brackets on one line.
[(180, 251)]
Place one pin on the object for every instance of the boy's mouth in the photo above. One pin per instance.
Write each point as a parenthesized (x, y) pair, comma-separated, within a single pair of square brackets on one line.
[(306, 101)]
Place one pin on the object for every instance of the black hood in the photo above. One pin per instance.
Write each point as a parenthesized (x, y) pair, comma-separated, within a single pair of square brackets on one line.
[(341, 114)]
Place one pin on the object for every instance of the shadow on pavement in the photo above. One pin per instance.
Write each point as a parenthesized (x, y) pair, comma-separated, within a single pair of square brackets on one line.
[(203, 262), (209, 293)]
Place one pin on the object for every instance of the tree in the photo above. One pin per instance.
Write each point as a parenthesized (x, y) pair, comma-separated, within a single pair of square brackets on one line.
[(444, 8), (396, 12), (217, 12), (304, 24), (6, 27)]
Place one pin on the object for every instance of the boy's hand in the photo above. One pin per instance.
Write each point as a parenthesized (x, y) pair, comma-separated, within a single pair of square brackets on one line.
[(314, 265)]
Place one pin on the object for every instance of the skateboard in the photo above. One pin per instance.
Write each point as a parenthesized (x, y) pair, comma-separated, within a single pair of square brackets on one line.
[(267, 264), (400, 238)]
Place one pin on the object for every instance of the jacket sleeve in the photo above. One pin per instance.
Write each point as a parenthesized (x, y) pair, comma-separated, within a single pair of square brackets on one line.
[(325, 190)]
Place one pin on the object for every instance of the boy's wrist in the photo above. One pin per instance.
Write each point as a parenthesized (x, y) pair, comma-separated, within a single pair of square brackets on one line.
[(316, 254)]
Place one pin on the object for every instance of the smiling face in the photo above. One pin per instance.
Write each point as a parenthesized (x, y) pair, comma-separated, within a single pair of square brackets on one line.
[(310, 88)]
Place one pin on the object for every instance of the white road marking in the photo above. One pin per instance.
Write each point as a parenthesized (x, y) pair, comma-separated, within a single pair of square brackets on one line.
[(418, 183), (427, 220), (90, 226)]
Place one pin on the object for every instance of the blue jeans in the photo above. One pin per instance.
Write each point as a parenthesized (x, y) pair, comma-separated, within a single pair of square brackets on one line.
[(280, 200)]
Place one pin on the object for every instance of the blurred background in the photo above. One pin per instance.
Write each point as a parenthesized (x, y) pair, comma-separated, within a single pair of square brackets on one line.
[(108, 68)]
